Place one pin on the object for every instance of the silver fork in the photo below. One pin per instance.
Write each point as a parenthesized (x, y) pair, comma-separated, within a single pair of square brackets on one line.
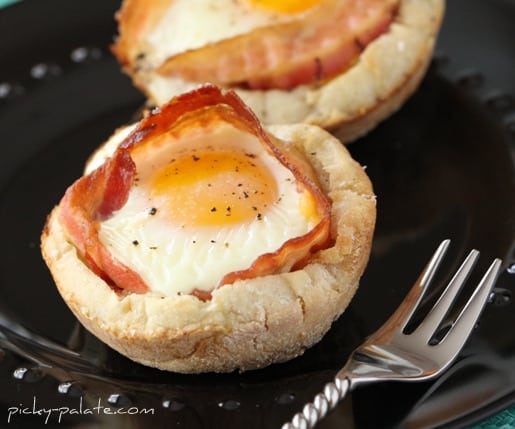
[(392, 354)]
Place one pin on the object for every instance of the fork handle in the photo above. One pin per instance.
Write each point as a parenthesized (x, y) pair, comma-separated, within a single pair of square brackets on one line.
[(324, 402)]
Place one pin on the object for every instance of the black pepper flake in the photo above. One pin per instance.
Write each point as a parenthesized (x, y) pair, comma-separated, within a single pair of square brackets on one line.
[(212, 241), (153, 211), (254, 208), (239, 185), (195, 158), (213, 209), (226, 244), (135, 242), (153, 247), (259, 216), (245, 195)]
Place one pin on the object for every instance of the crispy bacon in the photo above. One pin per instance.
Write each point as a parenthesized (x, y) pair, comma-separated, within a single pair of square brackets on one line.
[(86, 203), (94, 197), (322, 45)]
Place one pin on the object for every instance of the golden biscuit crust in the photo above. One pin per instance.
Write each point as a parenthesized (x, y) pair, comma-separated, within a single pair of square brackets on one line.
[(248, 324)]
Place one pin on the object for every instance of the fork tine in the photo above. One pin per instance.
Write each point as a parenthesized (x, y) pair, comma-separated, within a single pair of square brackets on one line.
[(408, 306), (459, 332), (430, 324), (430, 269)]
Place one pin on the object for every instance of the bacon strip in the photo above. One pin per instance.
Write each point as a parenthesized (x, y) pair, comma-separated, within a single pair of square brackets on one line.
[(94, 197), (319, 47), (86, 203)]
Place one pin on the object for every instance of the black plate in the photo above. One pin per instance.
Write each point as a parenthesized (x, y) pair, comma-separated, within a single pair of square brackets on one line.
[(442, 168)]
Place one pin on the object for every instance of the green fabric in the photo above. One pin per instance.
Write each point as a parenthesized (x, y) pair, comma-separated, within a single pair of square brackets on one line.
[(502, 420), (6, 2)]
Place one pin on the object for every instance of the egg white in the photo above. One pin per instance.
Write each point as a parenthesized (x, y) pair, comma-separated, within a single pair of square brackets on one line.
[(177, 259), (191, 24)]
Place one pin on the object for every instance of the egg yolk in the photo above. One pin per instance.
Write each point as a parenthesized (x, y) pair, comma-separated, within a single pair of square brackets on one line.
[(285, 6), (214, 187)]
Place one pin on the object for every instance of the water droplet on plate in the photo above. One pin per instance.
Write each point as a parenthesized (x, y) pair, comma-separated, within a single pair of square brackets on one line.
[(500, 297), (29, 375), (285, 398), (173, 404), (118, 400), (69, 388), (45, 71), (84, 54), (9, 90), (230, 404)]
